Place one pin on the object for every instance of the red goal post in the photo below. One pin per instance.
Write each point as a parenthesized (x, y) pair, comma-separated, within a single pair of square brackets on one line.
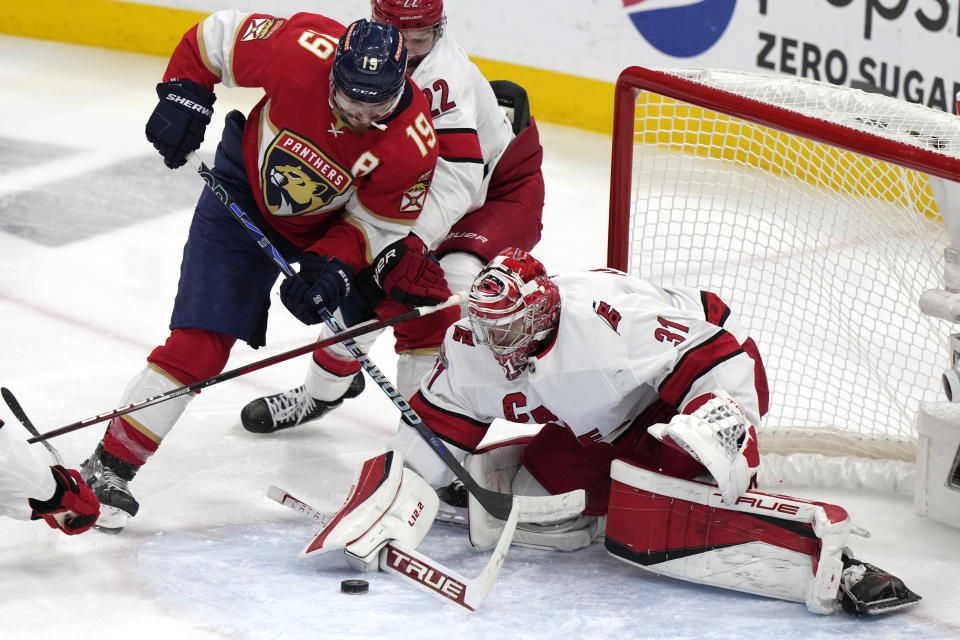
[(810, 209)]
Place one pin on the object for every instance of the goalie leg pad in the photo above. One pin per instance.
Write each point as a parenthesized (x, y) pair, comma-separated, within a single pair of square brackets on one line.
[(371, 494), (769, 545), (407, 521), (493, 467), (385, 502)]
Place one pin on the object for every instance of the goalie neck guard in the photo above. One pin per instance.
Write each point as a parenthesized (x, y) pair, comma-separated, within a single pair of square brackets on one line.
[(514, 308)]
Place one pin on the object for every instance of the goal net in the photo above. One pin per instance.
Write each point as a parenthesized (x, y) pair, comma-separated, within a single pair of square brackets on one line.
[(808, 208)]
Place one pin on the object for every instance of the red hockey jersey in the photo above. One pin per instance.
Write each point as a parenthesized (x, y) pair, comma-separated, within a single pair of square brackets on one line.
[(319, 184)]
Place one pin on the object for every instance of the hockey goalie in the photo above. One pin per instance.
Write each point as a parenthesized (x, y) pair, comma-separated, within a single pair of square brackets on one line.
[(649, 398)]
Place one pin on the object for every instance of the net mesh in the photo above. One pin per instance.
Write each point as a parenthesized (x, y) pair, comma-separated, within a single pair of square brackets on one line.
[(822, 252)]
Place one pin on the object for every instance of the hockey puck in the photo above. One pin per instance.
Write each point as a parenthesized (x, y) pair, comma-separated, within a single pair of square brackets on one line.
[(354, 586)]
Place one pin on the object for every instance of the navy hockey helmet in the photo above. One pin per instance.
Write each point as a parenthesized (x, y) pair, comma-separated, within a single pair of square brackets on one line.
[(370, 63)]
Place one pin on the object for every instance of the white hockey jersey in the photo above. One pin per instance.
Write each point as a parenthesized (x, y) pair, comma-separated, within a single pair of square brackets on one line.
[(621, 344), (472, 130), (24, 473)]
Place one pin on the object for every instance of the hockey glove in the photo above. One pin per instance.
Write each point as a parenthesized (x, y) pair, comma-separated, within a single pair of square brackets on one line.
[(178, 122), (323, 283), (714, 431), (73, 508), (407, 273)]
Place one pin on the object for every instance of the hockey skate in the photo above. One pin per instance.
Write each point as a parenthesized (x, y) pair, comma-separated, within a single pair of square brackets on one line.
[(452, 509), (866, 589), (109, 477), (290, 408)]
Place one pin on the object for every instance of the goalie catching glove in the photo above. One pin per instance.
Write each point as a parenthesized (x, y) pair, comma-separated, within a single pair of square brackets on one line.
[(714, 430)]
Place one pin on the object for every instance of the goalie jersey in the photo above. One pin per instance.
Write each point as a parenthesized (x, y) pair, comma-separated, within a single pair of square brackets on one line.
[(302, 162), (622, 344)]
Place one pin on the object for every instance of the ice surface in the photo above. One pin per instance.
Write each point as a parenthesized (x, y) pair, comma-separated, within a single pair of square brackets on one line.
[(91, 231)]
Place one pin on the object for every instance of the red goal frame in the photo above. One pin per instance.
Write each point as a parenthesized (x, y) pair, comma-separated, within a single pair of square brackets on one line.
[(635, 79)]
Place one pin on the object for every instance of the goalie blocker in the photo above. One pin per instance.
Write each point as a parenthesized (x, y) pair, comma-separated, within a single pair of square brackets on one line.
[(765, 544)]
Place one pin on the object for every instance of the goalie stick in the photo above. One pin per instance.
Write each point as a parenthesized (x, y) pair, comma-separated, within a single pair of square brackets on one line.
[(358, 330), (426, 573), (499, 505)]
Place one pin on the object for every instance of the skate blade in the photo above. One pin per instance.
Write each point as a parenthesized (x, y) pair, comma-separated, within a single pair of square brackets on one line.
[(451, 516), (893, 604)]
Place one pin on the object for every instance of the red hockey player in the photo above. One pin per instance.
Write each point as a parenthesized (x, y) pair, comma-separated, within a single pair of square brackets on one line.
[(333, 164), (487, 194), (31, 488), (666, 388)]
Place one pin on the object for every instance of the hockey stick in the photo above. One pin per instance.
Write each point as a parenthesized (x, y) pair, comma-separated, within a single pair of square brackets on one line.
[(64, 517), (21, 415), (358, 330), (499, 505), (428, 574)]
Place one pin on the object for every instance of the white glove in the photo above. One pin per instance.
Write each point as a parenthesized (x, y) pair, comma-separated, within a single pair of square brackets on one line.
[(719, 436)]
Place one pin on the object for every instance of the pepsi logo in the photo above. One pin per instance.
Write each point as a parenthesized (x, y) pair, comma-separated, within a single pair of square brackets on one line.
[(680, 28)]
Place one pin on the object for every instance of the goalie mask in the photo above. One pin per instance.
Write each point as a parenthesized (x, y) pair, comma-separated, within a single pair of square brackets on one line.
[(514, 308)]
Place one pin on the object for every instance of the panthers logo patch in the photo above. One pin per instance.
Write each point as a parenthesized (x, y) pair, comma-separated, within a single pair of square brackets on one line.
[(298, 178)]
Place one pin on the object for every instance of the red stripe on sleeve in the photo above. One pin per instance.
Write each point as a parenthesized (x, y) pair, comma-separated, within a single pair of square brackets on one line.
[(715, 309), (460, 145), (455, 429), (696, 362)]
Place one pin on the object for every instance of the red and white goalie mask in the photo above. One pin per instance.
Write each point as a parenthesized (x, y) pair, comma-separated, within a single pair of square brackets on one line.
[(514, 308)]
